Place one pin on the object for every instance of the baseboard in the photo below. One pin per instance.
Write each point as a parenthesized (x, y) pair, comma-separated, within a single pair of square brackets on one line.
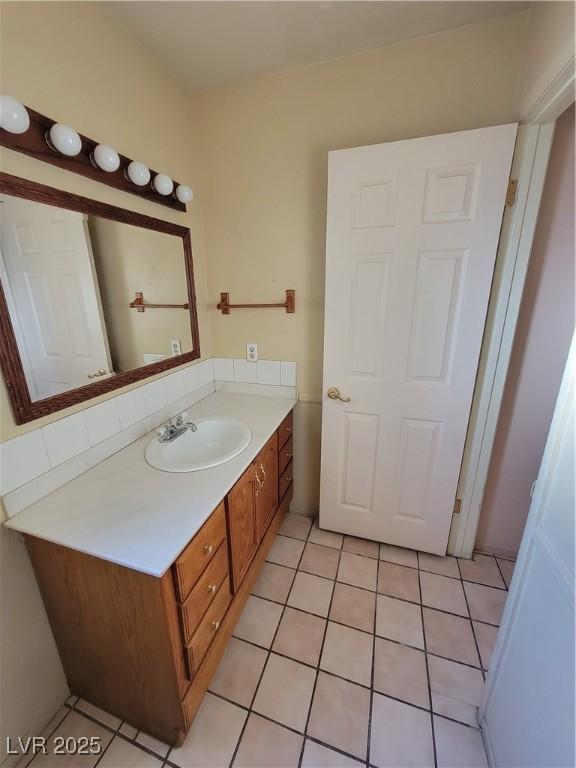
[(505, 554), (307, 512)]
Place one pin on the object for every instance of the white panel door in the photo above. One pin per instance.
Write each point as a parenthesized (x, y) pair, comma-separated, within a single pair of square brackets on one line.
[(412, 232), (53, 293), (528, 716)]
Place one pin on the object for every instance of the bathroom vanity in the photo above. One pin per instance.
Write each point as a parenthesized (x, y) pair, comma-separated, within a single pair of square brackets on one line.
[(142, 600)]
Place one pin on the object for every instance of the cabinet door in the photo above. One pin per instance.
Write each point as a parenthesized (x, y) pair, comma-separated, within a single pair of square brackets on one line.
[(266, 489), (241, 506)]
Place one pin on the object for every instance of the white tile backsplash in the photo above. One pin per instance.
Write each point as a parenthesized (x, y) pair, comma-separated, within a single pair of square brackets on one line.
[(154, 396), (288, 374), (245, 372), (131, 407), (206, 372), (102, 421), (269, 372), (223, 369), (174, 384), (21, 460), (38, 462), (66, 438)]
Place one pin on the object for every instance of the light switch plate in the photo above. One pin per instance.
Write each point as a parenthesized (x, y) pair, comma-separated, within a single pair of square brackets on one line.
[(252, 352)]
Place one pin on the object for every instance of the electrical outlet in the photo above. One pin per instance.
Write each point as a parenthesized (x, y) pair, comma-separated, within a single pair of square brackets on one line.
[(252, 352), (175, 347)]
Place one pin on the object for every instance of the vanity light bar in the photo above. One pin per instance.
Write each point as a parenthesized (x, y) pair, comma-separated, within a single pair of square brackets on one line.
[(25, 130)]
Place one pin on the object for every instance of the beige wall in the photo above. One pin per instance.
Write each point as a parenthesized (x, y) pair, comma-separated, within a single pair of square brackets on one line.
[(130, 259), (263, 177), (75, 63), (264, 159), (543, 335), (549, 48)]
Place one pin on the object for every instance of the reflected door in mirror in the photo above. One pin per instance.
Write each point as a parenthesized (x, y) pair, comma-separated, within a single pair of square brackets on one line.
[(52, 292), (69, 278)]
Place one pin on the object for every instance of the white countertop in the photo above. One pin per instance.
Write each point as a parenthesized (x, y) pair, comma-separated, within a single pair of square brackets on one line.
[(128, 513)]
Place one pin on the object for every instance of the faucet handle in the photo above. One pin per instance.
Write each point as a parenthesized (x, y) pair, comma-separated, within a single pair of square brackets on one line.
[(163, 432), (180, 419)]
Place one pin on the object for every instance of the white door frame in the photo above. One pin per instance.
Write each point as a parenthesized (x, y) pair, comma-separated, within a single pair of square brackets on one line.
[(535, 536), (530, 165)]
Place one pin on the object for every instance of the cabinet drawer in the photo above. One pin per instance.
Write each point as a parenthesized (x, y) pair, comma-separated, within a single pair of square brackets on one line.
[(204, 592), (207, 629), (285, 454), (285, 429), (189, 566), (285, 480)]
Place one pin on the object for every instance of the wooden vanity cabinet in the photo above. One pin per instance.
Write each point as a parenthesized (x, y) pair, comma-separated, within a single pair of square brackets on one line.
[(242, 525), (251, 505), (145, 648), (266, 490)]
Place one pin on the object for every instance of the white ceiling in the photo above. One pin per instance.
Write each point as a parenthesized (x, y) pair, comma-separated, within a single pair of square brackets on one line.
[(210, 44)]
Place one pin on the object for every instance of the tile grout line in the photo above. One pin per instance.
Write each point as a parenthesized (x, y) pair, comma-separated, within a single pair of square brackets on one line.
[(366, 632), (427, 667), (53, 731), (166, 761), (373, 661), (269, 652), (501, 574), (317, 675), (355, 682), (471, 625)]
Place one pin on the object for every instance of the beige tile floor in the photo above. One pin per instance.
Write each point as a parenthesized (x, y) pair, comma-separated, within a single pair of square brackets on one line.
[(347, 654)]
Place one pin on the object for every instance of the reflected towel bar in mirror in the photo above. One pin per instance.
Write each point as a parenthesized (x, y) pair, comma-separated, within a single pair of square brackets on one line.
[(289, 305), (140, 306)]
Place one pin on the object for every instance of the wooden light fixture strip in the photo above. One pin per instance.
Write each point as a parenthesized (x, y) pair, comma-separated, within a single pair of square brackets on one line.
[(139, 305), (289, 305), (33, 143)]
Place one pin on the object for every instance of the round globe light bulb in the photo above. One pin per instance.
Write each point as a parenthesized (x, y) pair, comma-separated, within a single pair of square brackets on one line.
[(14, 116), (138, 173), (163, 184), (184, 193), (65, 139), (106, 158)]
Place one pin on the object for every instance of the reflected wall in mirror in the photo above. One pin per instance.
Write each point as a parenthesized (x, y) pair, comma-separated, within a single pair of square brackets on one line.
[(70, 268)]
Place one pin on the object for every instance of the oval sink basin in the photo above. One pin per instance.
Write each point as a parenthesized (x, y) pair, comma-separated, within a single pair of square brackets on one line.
[(216, 441)]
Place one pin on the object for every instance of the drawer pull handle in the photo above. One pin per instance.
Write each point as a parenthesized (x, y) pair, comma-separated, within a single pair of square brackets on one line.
[(208, 549), (288, 455), (214, 625), (288, 479), (212, 588), (288, 429)]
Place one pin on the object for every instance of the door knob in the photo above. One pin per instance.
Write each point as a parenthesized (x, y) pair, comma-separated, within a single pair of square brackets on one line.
[(334, 394), (99, 372)]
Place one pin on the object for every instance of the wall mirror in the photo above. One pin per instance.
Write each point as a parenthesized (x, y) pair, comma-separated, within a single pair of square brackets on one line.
[(93, 297)]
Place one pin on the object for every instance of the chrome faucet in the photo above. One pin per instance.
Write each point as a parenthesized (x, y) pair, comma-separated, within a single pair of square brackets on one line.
[(173, 429)]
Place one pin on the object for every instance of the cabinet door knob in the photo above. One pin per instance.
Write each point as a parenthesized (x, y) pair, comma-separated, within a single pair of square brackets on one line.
[(212, 588), (214, 625), (208, 549), (263, 471)]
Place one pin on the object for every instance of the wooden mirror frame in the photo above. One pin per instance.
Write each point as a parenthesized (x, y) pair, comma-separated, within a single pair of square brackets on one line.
[(23, 407)]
